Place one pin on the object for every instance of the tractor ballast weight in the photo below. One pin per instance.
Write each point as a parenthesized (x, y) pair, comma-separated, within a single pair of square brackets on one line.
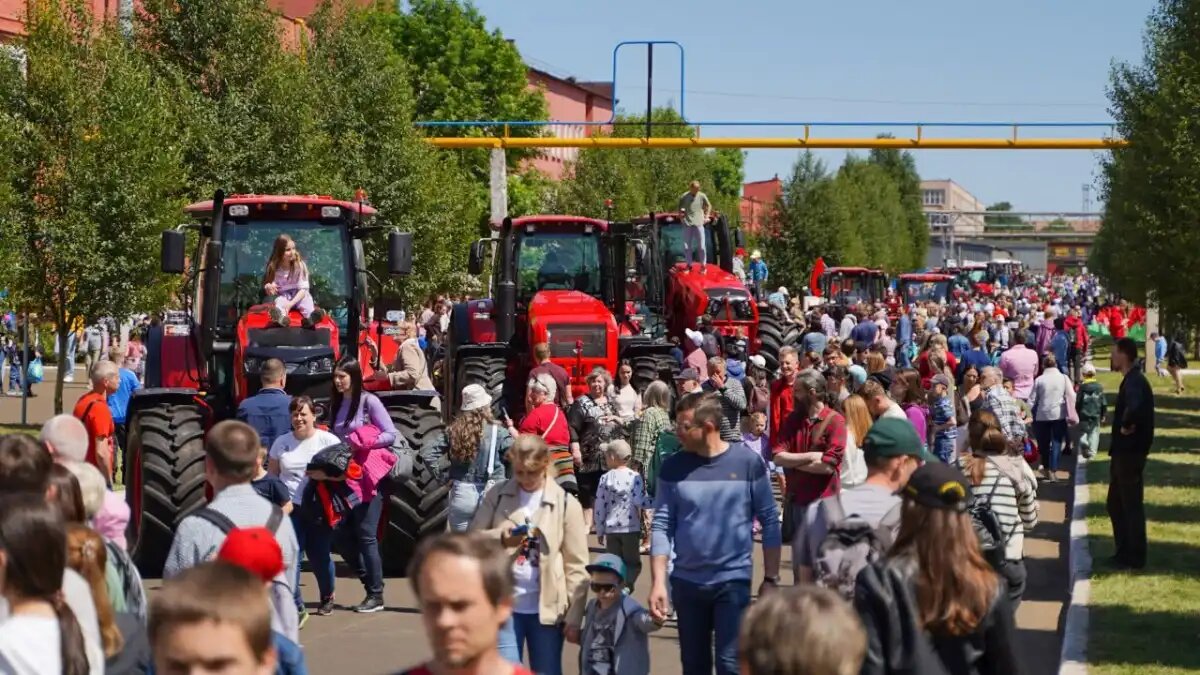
[(202, 362)]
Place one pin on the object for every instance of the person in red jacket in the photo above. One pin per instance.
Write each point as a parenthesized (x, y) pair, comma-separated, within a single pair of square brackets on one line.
[(1116, 320), (1078, 346)]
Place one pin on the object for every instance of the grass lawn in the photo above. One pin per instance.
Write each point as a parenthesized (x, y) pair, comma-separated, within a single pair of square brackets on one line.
[(1149, 622), (31, 429)]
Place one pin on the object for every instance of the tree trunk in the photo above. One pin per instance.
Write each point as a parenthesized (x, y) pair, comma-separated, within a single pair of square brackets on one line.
[(63, 367)]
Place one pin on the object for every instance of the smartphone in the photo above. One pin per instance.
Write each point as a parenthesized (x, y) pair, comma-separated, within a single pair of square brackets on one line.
[(520, 530)]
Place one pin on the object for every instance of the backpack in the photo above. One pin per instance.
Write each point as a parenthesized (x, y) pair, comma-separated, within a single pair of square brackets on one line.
[(1091, 402), (850, 544), (1072, 337), (992, 538)]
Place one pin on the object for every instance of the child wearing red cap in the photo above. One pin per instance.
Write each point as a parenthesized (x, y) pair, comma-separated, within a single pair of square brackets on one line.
[(255, 549)]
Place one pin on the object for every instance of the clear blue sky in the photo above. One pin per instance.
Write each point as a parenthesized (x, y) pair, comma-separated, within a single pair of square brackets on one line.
[(860, 60)]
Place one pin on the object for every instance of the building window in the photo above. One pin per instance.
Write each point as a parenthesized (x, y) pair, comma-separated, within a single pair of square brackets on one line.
[(937, 220), (933, 197)]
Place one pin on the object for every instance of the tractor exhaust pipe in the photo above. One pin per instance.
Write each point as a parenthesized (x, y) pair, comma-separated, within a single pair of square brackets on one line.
[(506, 286)]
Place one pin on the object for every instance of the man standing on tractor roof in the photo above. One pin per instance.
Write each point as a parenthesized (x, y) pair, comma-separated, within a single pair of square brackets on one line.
[(695, 208)]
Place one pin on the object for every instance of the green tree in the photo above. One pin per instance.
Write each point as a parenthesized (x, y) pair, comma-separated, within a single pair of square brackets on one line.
[(902, 168), (1002, 221), (868, 206), (804, 217), (94, 174), (1151, 189), (1059, 224)]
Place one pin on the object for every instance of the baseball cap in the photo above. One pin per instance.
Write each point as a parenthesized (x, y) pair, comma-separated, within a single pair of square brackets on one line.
[(688, 374), (1089, 369), (758, 361), (255, 549), (939, 486), (883, 378), (892, 437), (608, 562)]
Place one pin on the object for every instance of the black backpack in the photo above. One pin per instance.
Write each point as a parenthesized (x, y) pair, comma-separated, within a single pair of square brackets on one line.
[(850, 544), (992, 538)]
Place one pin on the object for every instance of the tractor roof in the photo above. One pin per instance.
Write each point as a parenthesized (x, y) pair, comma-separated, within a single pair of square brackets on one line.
[(851, 270), (306, 201), (926, 276), (600, 225)]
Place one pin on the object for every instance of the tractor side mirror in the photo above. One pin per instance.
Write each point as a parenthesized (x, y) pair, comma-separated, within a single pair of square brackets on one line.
[(400, 252), (174, 242), (639, 257), (475, 257), (739, 238)]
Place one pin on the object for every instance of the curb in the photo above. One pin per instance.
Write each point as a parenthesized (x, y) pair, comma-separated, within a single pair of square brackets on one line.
[(1073, 660)]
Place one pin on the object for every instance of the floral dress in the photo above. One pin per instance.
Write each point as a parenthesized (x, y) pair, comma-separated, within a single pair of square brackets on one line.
[(592, 434)]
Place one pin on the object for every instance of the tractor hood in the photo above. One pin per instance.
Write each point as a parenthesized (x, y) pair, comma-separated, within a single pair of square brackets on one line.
[(713, 277), (571, 319)]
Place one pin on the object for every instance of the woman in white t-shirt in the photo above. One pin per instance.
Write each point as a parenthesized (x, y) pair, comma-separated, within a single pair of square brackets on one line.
[(624, 397), (858, 423), (40, 634), (289, 459)]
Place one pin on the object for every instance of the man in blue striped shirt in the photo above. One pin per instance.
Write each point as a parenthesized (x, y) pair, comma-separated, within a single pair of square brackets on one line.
[(705, 505)]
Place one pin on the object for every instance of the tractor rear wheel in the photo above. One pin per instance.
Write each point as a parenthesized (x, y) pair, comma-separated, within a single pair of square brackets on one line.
[(774, 334), (417, 508), (166, 454), (650, 367), (487, 370)]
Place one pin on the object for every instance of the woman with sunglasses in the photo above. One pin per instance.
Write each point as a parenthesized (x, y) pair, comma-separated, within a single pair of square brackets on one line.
[(542, 528)]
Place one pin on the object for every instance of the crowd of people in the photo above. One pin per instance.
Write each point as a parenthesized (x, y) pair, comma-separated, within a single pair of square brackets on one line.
[(896, 454)]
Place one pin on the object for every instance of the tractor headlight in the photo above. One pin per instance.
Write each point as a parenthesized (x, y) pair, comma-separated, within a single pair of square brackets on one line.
[(239, 211), (320, 366)]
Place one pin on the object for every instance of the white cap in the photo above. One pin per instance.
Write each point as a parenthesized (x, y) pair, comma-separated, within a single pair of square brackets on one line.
[(783, 289), (474, 396), (755, 255), (695, 336), (758, 361), (1089, 368)]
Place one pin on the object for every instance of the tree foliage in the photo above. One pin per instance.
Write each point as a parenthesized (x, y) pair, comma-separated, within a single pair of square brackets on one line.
[(94, 173), (1150, 238), (640, 181)]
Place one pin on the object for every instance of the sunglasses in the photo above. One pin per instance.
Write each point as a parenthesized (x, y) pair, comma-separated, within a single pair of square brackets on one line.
[(603, 588)]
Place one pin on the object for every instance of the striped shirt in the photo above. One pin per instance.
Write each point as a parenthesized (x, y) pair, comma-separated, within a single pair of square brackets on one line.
[(1013, 501), (733, 404)]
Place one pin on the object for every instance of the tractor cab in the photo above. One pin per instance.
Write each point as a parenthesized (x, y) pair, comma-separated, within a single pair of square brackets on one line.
[(976, 277), (1004, 272), (849, 286), (919, 289)]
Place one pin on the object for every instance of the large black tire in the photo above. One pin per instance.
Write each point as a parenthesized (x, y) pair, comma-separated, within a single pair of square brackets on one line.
[(774, 334), (166, 451), (487, 370), (417, 508), (650, 367)]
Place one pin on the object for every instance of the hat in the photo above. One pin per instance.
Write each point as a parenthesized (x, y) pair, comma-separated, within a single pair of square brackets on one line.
[(883, 377), (941, 379), (894, 437), (783, 290), (1089, 369), (474, 397), (695, 336), (858, 375), (758, 361), (755, 255), (608, 562), (688, 374), (255, 549), (939, 486)]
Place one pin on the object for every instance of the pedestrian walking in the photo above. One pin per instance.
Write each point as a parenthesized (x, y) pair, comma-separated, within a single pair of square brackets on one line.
[(620, 499), (714, 486), (92, 409), (1053, 406), (615, 626), (268, 409), (1091, 405), (1132, 437), (801, 629), (475, 447)]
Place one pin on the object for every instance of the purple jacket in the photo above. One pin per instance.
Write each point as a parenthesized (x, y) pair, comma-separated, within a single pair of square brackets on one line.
[(370, 411)]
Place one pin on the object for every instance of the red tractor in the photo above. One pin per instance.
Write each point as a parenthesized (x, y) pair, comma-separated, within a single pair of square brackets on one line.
[(204, 360), (918, 288), (677, 298), (555, 279)]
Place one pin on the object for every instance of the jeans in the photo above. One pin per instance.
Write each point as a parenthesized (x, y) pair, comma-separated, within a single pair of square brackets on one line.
[(1015, 575), (362, 544), (464, 501), (1089, 437), (1050, 436), (302, 529), (626, 546), (545, 643), (693, 244), (317, 543), (708, 614), (943, 447), (69, 362)]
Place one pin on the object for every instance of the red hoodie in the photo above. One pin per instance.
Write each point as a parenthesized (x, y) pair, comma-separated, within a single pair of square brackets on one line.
[(1075, 323)]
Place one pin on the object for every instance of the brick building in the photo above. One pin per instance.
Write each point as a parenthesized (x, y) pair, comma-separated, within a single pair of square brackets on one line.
[(758, 204), (568, 100)]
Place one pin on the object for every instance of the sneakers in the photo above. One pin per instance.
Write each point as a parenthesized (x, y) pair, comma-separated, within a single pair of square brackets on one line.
[(279, 318), (370, 605), (303, 618), (326, 607)]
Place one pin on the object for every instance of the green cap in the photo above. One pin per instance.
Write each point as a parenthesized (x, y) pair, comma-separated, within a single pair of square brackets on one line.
[(892, 437)]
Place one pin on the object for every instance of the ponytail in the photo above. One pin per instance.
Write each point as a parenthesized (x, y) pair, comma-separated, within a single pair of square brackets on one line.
[(73, 648)]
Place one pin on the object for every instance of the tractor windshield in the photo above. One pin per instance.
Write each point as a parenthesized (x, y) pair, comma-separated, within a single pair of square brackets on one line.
[(248, 247), (565, 261), (671, 239), (921, 292)]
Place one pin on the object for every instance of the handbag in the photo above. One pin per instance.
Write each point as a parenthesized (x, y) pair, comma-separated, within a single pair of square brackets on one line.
[(36, 372), (490, 482)]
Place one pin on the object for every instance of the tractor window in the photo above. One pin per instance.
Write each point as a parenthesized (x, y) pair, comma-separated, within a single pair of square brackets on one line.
[(925, 291), (248, 247), (671, 238), (565, 261)]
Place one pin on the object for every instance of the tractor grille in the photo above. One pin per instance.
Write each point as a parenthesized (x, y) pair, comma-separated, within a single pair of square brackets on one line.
[(564, 336), (288, 337)]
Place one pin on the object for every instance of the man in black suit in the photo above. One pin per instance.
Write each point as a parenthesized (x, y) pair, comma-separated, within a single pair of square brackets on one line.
[(1132, 435)]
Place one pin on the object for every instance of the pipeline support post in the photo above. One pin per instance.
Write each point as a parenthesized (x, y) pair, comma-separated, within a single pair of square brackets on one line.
[(498, 186)]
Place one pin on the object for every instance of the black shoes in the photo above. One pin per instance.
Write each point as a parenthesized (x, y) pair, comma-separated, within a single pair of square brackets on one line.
[(326, 607), (372, 604)]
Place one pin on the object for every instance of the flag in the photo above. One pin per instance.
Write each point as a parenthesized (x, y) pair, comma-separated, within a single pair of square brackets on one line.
[(814, 282)]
